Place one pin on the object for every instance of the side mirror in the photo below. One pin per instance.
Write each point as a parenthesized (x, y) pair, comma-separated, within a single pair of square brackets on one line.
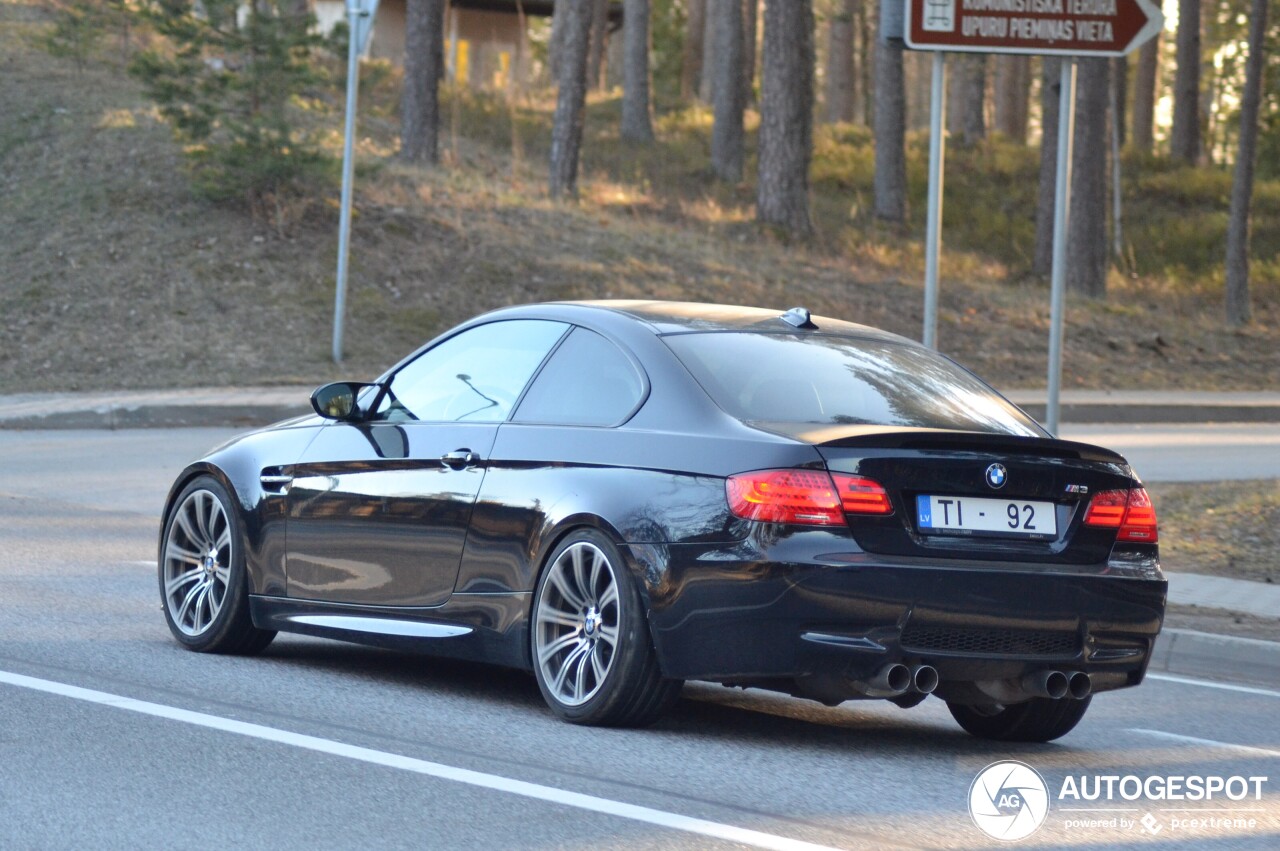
[(337, 401)]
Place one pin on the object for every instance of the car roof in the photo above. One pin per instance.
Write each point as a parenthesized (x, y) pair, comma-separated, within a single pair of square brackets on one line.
[(626, 317), (674, 317)]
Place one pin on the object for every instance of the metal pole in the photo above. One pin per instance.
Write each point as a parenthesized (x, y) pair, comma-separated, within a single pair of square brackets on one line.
[(1117, 231), (933, 225), (1061, 212), (348, 167)]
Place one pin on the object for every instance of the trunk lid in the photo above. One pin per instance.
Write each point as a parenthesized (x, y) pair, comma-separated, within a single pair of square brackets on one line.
[(1029, 509)]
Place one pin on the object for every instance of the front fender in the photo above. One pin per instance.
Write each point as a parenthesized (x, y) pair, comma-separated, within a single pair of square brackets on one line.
[(238, 466)]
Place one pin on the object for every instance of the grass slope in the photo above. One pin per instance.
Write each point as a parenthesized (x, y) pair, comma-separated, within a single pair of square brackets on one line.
[(113, 274)]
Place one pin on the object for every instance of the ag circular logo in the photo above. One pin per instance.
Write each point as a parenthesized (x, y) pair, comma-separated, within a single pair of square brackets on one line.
[(1008, 800), (996, 475)]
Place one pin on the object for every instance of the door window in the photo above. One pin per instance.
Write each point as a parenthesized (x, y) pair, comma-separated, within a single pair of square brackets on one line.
[(475, 376)]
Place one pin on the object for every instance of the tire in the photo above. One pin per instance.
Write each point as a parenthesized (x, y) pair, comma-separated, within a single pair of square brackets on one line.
[(1040, 719), (592, 655), (204, 589)]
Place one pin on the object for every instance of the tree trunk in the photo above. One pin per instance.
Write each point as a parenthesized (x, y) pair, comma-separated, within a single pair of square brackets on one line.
[(750, 40), (423, 68), (706, 85), (786, 115), (1184, 138), (614, 54), (1144, 95), (1087, 234), (725, 17), (566, 129), (966, 108), (691, 61), (555, 41), (1050, 92), (637, 122), (1012, 96), (840, 71), (866, 63), (599, 44), (890, 132), (1242, 184), (1210, 87)]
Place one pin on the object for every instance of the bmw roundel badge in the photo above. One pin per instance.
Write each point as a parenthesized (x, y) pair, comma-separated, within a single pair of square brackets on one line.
[(997, 476)]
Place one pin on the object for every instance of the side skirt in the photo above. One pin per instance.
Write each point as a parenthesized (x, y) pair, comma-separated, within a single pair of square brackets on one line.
[(491, 628)]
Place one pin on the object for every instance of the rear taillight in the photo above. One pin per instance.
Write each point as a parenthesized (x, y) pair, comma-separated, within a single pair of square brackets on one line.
[(1139, 519), (1128, 511), (862, 496), (785, 496), (807, 497)]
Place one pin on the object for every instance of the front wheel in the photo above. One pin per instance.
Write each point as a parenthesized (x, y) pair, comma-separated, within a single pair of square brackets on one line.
[(592, 655), (203, 586), (1039, 719)]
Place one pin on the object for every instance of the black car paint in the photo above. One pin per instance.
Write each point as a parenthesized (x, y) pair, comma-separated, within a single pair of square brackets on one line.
[(727, 599)]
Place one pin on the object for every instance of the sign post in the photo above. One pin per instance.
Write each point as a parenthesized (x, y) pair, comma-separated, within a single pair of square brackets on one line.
[(933, 217), (360, 22), (1061, 218), (1068, 28)]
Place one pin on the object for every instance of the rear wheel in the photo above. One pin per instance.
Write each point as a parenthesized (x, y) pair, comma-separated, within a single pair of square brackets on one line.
[(1040, 719), (203, 584), (592, 655)]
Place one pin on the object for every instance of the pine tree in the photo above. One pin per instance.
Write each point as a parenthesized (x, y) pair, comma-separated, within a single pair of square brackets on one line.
[(229, 88), (786, 115), (566, 129), (78, 26), (423, 71)]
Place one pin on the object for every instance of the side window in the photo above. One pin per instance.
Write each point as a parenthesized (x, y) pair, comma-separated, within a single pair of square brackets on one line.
[(475, 376), (588, 381)]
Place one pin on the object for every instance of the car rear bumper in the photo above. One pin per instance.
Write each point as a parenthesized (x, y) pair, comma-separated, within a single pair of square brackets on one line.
[(794, 609)]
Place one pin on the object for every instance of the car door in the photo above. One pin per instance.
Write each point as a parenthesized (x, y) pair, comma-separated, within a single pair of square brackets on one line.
[(558, 453), (378, 510)]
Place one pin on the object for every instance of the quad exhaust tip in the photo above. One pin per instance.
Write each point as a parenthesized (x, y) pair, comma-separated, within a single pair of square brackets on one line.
[(1057, 685), (894, 677), (924, 678), (1051, 684)]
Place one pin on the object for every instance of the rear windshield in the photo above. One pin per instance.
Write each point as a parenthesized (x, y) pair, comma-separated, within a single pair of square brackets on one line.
[(830, 380)]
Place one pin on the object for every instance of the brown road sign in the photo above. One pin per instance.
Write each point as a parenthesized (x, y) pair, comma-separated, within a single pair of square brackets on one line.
[(1067, 27)]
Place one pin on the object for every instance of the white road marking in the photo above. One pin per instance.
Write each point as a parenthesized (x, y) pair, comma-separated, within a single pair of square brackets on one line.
[(674, 821), (1188, 681), (1213, 743)]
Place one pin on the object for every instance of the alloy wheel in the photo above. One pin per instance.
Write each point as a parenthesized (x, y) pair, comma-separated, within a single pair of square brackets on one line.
[(197, 562), (576, 625)]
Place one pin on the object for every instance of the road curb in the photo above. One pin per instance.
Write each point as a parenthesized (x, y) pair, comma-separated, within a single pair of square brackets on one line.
[(1123, 414), (1223, 657), (158, 416)]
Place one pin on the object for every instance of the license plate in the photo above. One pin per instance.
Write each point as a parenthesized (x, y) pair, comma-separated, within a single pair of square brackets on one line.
[(967, 515)]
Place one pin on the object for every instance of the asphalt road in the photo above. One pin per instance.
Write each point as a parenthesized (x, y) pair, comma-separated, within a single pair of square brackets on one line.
[(112, 736), (1190, 453)]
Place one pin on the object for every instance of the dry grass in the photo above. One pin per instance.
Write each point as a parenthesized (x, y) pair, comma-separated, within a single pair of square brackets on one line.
[(1220, 528), (1223, 622), (112, 274)]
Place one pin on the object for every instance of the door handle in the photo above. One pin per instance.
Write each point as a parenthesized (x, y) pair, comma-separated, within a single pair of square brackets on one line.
[(460, 459)]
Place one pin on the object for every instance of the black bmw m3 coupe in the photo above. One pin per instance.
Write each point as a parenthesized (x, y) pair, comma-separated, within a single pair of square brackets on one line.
[(619, 496)]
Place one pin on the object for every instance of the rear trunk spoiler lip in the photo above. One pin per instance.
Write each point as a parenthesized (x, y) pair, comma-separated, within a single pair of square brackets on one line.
[(908, 437)]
